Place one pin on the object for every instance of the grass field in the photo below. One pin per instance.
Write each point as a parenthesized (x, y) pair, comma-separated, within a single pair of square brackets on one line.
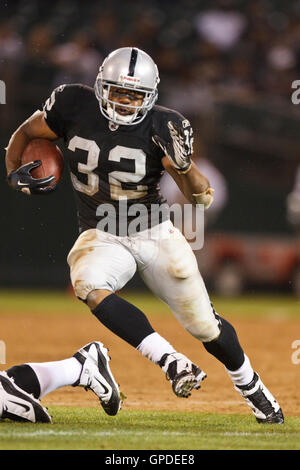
[(89, 428), (57, 302)]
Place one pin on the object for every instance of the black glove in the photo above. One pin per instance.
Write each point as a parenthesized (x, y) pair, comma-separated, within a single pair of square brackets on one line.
[(180, 150), (21, 180)]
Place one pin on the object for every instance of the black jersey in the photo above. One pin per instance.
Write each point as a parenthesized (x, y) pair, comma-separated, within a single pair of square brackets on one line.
[(116, 167)]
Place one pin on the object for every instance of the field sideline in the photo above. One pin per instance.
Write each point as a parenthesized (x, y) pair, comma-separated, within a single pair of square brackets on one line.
[(42, 326)]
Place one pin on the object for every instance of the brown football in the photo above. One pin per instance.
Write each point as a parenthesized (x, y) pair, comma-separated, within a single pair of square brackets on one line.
[(50, 156)]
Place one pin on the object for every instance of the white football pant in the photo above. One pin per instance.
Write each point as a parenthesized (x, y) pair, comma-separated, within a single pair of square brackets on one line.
[(165, 262)]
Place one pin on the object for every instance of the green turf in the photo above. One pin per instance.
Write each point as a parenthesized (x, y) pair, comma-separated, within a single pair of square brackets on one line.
[(89, 428), (58, 302)]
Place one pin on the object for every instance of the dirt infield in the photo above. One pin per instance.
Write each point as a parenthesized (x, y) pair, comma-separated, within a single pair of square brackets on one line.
[(267, 343)]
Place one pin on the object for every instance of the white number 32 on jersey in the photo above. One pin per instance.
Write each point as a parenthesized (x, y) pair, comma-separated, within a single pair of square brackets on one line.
[(115, 178)]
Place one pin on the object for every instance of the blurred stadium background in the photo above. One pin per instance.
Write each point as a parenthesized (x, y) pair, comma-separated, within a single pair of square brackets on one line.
[(228, 66)]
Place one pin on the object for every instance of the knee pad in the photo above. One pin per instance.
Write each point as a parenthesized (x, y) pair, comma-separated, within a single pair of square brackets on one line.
[(86, 278), (99, 264), (197, 317), (205, 331)]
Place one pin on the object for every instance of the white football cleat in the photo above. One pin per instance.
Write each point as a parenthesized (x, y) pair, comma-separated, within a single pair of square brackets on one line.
[(18, 405), (264, 406), (182, 373), (96, 376)]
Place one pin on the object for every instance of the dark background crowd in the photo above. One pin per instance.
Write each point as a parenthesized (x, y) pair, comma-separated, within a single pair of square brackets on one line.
[(213, 49), (227, 65)]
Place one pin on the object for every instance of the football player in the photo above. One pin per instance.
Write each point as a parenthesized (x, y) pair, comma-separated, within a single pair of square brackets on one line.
[(118, 143)]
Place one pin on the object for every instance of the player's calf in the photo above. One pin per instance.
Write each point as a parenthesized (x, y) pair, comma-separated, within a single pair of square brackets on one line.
[(122, 318), (130, 324), (226, 347)]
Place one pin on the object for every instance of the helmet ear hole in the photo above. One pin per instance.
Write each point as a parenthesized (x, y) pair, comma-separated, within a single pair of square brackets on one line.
[(132, 69)]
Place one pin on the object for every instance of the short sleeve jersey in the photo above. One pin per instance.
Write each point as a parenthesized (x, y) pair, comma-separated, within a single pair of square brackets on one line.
[(112, 167)]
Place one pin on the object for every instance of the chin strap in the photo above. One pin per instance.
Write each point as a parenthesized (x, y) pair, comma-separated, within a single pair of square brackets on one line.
[(205, 198), (113, 113)]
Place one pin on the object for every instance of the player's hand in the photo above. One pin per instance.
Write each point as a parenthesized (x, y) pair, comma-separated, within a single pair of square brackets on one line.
[(21, 180), (206, 197), (180, 150)]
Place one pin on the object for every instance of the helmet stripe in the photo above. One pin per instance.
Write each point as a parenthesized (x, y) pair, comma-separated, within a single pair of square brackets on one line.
[(132, 63)]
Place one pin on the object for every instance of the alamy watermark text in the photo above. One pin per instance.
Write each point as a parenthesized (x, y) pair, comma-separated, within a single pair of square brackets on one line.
[(2, 92), (125, 220), (296, 354)]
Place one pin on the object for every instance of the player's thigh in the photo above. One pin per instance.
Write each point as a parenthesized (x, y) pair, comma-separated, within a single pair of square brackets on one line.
[(98, 261), (173, 275)]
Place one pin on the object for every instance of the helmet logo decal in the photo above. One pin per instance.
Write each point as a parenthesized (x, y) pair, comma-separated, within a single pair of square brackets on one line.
[(126, 79)]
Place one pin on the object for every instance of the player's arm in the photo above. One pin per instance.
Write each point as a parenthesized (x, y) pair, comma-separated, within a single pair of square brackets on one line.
[(19, 177), (177, 161), (33, 128), (193, 184)]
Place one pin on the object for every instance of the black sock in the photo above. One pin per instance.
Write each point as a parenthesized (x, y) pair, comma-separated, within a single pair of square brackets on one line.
[(25, 378), (123, 319), (226, 348)]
